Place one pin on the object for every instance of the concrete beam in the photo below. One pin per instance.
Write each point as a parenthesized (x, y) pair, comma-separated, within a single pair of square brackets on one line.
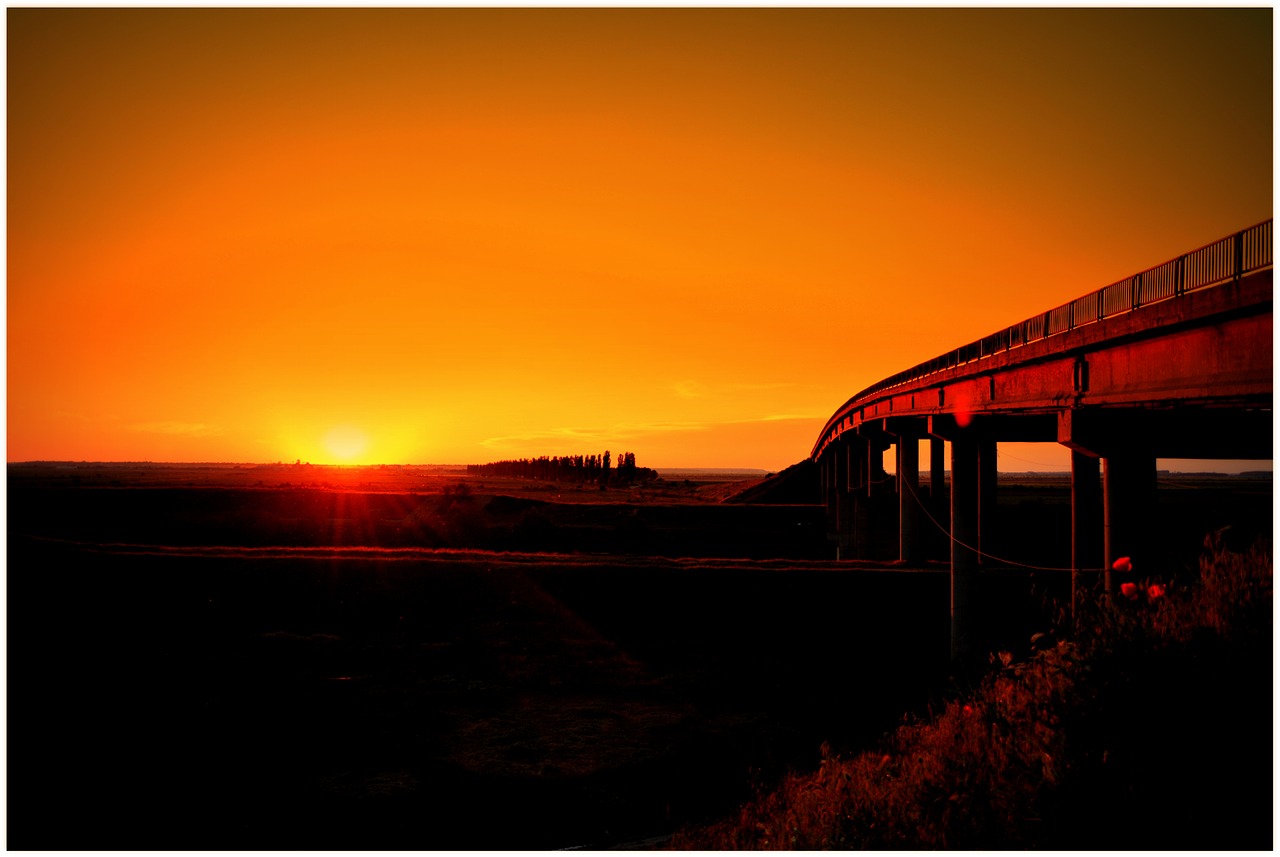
[(1006, 428), (1169, 433)]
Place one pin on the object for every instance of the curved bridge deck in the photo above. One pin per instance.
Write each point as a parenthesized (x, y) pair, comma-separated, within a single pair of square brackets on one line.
[(1172, 362)]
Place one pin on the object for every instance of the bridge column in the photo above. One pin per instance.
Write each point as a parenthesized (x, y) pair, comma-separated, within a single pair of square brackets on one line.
[(833, 493), (845, 499), (824, 475), (1128, 501), (837, 496), (876, 528), (965, 501), (907, 453), (859, 523), (1122, 440), (988, 529), (825, 471), (939, 503), (877, 443), (1125, 441), (1086, 524), (908, 468), (964, 533)]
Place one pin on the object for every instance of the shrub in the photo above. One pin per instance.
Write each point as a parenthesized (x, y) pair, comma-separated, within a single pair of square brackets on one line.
[(1135, 734)]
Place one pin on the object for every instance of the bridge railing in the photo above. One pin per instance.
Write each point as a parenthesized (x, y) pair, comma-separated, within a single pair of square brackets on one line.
[(1225, 260)]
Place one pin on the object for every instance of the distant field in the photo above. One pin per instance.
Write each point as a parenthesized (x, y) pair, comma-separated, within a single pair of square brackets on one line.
[(673, 485), (710, 474), (370, 478)]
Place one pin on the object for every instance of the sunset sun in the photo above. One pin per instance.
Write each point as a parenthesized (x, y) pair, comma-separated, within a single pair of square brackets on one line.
[(346, 444)]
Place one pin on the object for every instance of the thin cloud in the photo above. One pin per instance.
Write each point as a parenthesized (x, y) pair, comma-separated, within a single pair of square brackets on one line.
[(628, 431), (781, 417), (752, 388), (625, 431), (691, 389), (177, 428)]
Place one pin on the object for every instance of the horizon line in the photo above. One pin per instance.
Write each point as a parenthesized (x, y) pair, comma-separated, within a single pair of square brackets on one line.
[(457, 466)]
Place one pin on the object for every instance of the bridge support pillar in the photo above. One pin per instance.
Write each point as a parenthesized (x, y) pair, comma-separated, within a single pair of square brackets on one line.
[(876, 506), (908, 467), (824, 477), (939, 503), (859, 522), (1128, 504), (988, 529), (851, 482), (826, 470), (839, 497), (965, 450), (841, 466), (1086, 525), (877, 478), (907, 451)]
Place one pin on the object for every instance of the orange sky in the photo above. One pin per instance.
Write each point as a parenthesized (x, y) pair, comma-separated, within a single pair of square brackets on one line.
[(451, 236)]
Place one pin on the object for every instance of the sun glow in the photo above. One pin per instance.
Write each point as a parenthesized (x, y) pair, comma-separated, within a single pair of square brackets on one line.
[(347, 444)]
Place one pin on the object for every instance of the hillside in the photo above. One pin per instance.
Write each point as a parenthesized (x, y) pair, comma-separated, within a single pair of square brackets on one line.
[(797, 485)]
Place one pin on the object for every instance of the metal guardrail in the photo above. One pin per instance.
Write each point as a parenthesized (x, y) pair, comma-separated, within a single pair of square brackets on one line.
[(1223, 261)]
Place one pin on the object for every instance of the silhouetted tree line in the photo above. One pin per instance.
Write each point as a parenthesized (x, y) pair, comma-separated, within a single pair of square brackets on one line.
[(594, 469)]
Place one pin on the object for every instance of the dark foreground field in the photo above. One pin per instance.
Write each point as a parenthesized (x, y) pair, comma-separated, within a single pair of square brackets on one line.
[(269, 667)]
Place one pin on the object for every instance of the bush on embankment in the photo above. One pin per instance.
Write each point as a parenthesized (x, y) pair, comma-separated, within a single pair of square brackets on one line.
[(1151, 729)]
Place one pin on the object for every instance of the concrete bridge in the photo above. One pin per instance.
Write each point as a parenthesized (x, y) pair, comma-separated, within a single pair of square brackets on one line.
[(1172, 362)]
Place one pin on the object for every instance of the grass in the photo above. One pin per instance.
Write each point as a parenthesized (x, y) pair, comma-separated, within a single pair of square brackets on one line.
[(1148, 727)]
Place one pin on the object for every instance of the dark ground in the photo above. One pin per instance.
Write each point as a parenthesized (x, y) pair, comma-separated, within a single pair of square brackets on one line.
[(170, 689)]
